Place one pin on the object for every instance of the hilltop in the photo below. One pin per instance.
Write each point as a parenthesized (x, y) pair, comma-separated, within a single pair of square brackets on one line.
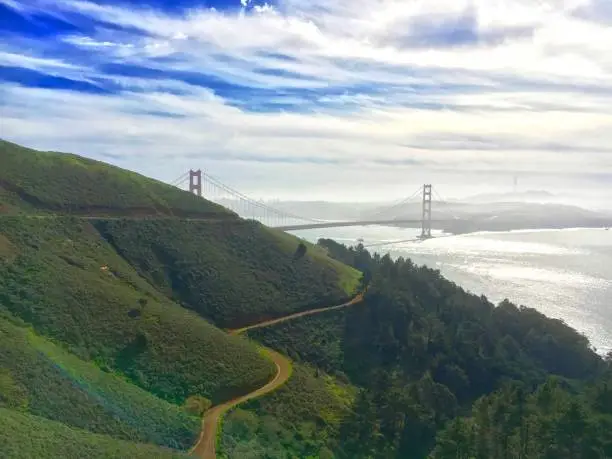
[(34, 181)]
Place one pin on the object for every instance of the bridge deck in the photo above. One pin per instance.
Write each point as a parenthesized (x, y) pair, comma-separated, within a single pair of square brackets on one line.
[(352, 223)]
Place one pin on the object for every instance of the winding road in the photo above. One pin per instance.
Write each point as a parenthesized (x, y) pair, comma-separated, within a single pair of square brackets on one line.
[(206, 447)]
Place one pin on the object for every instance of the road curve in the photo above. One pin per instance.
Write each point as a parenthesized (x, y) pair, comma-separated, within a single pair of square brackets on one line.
[(206, 446)]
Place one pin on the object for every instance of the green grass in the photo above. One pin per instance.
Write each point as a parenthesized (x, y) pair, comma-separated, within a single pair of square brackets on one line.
[(36, 182), (103, 319), (47, 381), (24, 436), (301, 419), (317, 339), (232, 274), (70, 285), (348, 278)]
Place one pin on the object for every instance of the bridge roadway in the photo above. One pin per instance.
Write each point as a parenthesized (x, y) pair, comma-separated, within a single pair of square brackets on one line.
[(355, 223)]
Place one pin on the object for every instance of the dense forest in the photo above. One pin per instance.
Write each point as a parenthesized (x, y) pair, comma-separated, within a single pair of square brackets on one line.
[(443, 372)]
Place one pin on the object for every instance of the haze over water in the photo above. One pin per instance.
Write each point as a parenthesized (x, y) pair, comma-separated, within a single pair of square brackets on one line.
[(566, 274)]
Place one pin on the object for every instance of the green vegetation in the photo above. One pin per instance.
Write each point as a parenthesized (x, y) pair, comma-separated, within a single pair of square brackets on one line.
[(198, 264), (348, 277), (422, 351), (70, 285), (105, 350), (41, 378), (302, 419), (23, 436), (100, 315), (197, 405), (550, 423), (35, 181)]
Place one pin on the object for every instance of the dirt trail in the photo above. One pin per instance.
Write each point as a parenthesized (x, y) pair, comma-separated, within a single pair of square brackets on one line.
[(267, 323), (206, 447)]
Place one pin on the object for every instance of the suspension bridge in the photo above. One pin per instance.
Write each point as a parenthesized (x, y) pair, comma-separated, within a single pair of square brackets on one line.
[(204, 185)]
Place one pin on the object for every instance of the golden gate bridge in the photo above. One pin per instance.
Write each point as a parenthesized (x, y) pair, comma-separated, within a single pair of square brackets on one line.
[(206, 186)]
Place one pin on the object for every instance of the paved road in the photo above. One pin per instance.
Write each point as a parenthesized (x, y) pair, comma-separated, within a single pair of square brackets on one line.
[(206, 447)]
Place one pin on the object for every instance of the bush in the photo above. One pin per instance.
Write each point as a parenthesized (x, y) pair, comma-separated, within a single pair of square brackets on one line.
[(23, 436), (167, 350), (196, 405)]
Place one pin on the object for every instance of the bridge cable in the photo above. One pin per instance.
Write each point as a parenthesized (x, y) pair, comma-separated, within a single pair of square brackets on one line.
[(216, 182), (438, 195), (180, 179), (402, 202)]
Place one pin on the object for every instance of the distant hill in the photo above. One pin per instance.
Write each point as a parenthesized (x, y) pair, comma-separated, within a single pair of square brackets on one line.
[(464, 216), (517, 196)]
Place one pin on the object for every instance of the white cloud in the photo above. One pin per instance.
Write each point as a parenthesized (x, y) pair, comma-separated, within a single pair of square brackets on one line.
[(365, 90)]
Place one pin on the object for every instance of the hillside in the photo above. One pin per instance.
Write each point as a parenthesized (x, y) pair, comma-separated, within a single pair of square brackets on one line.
[(41, 378), (24, 436), (422, 351), (231, 274), (106, 297), (33, 181), (70, 285), (300, 420), (109, 345)]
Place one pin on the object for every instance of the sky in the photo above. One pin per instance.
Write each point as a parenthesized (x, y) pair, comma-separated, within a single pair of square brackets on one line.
[(319, 99)]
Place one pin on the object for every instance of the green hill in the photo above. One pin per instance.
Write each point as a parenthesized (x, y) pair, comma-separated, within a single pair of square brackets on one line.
[(105, 293), (41, 378), (302, 419), (41, 182), (233, 274), (70, 285), (23, 436)]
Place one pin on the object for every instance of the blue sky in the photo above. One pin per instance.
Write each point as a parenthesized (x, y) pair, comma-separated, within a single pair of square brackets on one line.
[(318, 99)]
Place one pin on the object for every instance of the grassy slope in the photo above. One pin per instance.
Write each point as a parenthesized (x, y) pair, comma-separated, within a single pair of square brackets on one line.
[(60, 276), (300, 419), (317, 339), (34, 181), (45, 380), (24, 436), (233, 274), (65, 280)]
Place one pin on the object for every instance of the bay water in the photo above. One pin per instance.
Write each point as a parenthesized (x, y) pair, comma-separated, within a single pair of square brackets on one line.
[(565, 274)]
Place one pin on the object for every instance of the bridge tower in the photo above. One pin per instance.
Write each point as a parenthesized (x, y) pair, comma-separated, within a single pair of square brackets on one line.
[(426, 219), (195, 182)]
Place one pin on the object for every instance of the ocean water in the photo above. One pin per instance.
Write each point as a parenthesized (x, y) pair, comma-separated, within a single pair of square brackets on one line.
[(566, 274)]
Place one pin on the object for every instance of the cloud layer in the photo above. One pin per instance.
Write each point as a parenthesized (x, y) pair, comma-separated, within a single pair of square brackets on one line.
[(315, 99)]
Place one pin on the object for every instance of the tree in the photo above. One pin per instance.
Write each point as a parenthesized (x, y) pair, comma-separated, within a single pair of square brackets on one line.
[(197, 405), (300, 251)]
